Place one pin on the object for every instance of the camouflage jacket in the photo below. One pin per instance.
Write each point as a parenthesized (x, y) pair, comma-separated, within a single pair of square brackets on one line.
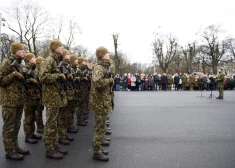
[(220, 79), (100, 96), (52, 95), (192, 79), (170, 80), (184, 79), (11, 91), (33, 95), (76, 82)]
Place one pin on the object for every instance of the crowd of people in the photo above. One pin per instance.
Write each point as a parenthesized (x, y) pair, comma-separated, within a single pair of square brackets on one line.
[(67, 86), (185, 81)]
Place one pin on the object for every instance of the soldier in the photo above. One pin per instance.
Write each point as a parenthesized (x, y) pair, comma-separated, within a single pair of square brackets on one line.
[(63, 114), (170, 82), (220, 84), (39, 116), (100, 100), (192, 81), (74, 102), (184, 81), (83, 93), (32, 99), (53, 98), (11, 100)]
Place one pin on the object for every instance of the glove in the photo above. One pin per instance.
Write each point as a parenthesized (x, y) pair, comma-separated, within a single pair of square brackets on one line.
[(77, 79), (18, 75), (111, 81), (70, 77), (62, 77), (31, 80), (28, 93)]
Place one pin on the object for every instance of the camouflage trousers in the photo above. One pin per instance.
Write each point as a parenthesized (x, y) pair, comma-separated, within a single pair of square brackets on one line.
[(169, 87), (11, 125), (39, 116), (79, 112), (51, 125), (71, 108), (62, 122), (29, 120), (184, 86), (221, 91), (191, 86), (99, 131)]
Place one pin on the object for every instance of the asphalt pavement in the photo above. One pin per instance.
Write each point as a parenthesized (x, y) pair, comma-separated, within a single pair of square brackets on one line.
[(151, 129)]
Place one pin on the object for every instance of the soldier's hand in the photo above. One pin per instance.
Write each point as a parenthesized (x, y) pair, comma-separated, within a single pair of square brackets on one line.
[(18, 75), (70, 77), (111, 81), (77, 79), (61, 77), (31, 80), (85, 78)]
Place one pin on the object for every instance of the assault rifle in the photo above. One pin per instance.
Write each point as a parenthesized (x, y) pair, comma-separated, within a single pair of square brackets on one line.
[(69, 70), (63, 85), (32, 75), (111, 75), (22, 81)]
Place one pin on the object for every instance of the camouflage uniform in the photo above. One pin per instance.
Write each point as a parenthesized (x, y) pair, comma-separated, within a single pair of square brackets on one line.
[(184, 81), (65, 114), (53, 97), (192, 81), (170, 82), (73, 101), (39, 110), (83, 93), (100, 101), (31, 104), (11, 99), (220, 84)]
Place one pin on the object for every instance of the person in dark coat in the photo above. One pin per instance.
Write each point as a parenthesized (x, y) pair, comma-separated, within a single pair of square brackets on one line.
[(146, 83), (164, 81), (155, 80), (138, 81), (125, 84), (176, 81), (117, 82)]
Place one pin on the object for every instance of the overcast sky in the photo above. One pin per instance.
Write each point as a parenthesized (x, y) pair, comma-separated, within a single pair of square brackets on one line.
[(137, 20)]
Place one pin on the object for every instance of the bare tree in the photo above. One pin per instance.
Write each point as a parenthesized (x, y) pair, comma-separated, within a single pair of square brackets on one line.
[(213, 47), (165, 58), (31, 20), (6, 41), (189, 53), (231, 46), (116, 57)]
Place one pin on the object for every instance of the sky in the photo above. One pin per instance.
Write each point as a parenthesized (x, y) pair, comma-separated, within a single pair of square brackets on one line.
[(136, 21)]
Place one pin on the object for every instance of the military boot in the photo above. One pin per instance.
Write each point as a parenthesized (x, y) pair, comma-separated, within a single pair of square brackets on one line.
[(22, 151), (62, 151), (107, 124), (104, 151), (38, 137), (14, 156), (53, 154), (100, 157), (31, 140), (81, 123), (108, 132), (107, 139), (64, 141), (69, 138), (40, 129), (72, 130), (105, 143)]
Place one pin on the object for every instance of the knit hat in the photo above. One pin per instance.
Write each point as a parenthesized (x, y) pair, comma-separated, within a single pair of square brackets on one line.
[(28, 57), (101, 51), (54, 44), (65, 52), (80, 59), (73, 58), (16, 46), (39, 60)]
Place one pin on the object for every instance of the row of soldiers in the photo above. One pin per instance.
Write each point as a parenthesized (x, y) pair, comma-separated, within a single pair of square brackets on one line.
[(64, 85)]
